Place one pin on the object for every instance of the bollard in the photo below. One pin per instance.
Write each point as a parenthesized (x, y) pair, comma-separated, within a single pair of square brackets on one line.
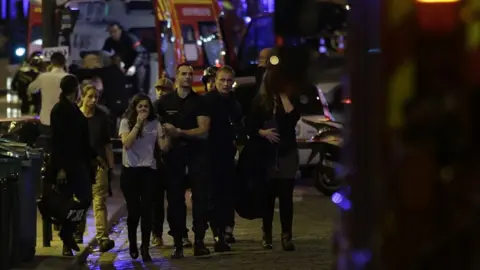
[(43, 142)]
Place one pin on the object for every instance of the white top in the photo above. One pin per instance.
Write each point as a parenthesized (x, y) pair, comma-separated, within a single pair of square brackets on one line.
[(49, 85), (141, 153)]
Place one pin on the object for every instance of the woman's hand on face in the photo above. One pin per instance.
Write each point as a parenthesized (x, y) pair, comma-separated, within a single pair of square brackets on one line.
[(270, 134), (141, 118)]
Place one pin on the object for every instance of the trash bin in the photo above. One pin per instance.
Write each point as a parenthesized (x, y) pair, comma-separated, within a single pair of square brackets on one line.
[(10, 170), (28, 181)]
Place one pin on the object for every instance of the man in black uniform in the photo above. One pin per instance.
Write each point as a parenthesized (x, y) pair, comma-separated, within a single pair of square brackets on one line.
[(132, 53), (225, 114), (163, 86), (187, 122), (27, 73)]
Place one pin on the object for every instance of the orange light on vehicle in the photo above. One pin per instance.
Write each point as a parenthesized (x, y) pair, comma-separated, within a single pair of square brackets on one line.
[(438, 16), (438, 1), (347, 101)]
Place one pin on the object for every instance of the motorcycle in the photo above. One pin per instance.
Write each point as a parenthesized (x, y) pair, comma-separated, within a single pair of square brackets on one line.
[(327, 144)]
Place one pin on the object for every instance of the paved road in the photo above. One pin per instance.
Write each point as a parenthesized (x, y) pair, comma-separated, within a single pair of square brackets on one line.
[(312, 229)]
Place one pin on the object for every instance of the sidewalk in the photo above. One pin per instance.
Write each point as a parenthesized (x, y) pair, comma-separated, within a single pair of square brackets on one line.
[(51, 257)]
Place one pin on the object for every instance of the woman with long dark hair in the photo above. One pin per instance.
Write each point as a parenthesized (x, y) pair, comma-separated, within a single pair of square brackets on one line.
[(271, 127), (140, 131)]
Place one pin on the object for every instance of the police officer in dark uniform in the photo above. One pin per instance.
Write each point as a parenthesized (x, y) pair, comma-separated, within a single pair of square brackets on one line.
[(27, 73), (187, 123), (225, 115), (208, 78)]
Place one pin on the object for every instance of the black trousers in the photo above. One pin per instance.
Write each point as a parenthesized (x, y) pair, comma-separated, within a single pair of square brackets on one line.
[(159, 187), (221, 198), (79, 183), (137, 187), (177, 160), (283, 189)]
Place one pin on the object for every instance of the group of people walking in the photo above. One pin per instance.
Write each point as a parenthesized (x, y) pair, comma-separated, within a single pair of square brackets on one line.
[(186, 139), (181, 140)]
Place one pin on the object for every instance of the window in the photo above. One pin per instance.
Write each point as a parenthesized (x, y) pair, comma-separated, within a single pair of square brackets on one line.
[(259, 35), (167, 49), (189, 43), (99, 9), (211, 42)]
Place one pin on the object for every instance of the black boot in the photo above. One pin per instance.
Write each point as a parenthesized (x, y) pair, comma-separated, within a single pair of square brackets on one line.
[(267, 238), (199, 248), (132, 240), (220, 242), (144, 249), (106, 245), (67, 251), (287, 243), (177, 252), (66, 234), (229, 238)]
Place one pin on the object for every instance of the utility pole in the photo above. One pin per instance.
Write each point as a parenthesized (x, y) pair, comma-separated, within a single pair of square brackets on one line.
[(48, 23), (356, 234)]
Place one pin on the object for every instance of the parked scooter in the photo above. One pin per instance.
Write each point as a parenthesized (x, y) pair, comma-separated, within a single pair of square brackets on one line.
[(326, 143)]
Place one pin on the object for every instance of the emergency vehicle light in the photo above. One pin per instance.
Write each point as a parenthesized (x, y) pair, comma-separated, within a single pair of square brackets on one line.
[(20, 52), (438, 1), (438, 16)]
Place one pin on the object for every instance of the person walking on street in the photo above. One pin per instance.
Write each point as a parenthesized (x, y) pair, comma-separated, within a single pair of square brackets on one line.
[(25, 75), (163, 86), (98, 125), (225, 114), (271, 127), (49, 85), (141, 133), (72, 156), (187, 122)]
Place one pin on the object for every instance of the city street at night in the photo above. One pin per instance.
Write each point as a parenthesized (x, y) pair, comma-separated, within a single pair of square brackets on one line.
[(313, 225)]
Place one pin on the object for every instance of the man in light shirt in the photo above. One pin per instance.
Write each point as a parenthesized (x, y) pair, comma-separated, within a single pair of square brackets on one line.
[(49, 85)]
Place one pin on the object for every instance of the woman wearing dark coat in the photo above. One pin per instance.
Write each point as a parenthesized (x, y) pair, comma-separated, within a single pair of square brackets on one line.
[(271, 129)]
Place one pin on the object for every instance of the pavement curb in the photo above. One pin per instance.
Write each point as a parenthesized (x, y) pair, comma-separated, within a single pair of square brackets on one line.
[(82, 256)]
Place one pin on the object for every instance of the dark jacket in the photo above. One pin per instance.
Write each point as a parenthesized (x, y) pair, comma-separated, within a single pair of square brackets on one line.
[(24, 76), (129, 48), (70, 136), (285, 124), (258, 155), (225, 117)]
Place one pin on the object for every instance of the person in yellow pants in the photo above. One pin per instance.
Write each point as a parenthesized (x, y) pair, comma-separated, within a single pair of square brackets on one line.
[(98, 123)]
